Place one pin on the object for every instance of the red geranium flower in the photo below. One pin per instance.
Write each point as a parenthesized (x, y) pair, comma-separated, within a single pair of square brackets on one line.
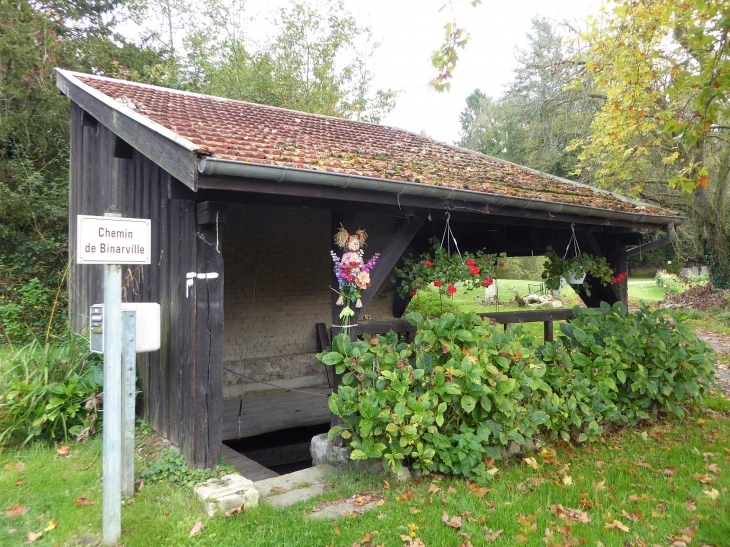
[(487, 282), (501, 264), (451, 289), (474, 270), (428, 263), (470, 262), (413, 292), (437, 283)]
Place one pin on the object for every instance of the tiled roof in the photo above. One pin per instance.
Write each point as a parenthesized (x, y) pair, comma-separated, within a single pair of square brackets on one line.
[(247, 132)]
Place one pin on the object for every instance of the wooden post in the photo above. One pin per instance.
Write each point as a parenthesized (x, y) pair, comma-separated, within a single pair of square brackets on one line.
[(548, 331), (348, 219), (207, 392)]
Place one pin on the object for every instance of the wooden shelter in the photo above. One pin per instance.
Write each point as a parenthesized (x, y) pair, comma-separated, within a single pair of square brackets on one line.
[(255, 194)]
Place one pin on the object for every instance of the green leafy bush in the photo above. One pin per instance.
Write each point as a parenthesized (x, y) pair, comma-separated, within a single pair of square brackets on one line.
[(171, 466), (49, 391), (431, 304), (464, 389)]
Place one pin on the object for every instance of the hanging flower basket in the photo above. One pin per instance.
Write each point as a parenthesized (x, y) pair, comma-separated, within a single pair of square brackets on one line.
[(575, 277)]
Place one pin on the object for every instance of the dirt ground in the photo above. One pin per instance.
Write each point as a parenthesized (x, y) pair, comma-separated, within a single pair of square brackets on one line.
[(720, 343)]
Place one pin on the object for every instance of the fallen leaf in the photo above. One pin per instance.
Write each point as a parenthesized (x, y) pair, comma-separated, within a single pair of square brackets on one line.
[(452, 490), (616, 524), (711, 493), (196, 529), (16, 510), (704, 479), (532, 463), (691, 505), (386, 485), (633, 517), (599, 463), (433, 489), (491, 535), (51, 525), (34, 536), (567, 480), (669, 471), (584, 502), (130, 501), (335, 528), (277, 489), (598, 486), (234, 511), (521, 538), (19, 482), (406, 496), (380, 502), (41, 517), (478, 491), (83, 501), (64, 450), (713, 468), (644, 464), (138, 485), (454, 522), (568, 514)]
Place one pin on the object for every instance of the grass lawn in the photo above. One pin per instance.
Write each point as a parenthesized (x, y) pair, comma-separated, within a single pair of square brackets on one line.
[(647, 293), (668, 479)]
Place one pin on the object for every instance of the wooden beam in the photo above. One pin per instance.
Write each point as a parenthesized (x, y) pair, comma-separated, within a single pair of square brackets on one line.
[(390, 256), (258, 186), (172, 157), (207, 407)]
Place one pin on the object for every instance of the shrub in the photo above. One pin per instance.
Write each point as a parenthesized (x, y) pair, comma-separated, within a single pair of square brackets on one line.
[(49, 391), (463, 389), (431, 304)]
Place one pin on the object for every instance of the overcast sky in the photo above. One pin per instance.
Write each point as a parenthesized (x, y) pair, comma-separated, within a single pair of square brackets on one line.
[(409, 30)]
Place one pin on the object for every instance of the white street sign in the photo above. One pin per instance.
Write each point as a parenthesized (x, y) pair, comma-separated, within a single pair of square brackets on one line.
[(113, 240)]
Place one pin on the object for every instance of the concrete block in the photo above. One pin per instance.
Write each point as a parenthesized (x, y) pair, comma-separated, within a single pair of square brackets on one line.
[(325, 452), (223, 494)]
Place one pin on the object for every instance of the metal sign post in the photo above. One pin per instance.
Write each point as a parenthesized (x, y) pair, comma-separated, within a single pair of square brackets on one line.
[(112, 240), (129, 365), (112, 449)]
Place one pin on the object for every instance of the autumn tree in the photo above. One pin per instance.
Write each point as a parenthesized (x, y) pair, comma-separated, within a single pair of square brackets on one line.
[(663, 131)]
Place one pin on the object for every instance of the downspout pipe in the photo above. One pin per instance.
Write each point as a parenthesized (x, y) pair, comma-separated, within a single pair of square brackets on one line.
[(214, 166), (661, 242)]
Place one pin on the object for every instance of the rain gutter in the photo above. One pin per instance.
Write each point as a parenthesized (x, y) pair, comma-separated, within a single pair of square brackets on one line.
[(214, 166)]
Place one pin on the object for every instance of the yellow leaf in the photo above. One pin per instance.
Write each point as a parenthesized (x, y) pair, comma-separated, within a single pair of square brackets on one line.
[(567, 480), (51, 525), (532, 462)]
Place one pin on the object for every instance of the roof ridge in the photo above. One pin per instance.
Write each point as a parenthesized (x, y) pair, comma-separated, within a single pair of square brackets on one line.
[(225, 99)]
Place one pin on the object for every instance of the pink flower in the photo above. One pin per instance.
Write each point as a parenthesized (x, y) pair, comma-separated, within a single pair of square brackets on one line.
[(351, 278), (437, 283)]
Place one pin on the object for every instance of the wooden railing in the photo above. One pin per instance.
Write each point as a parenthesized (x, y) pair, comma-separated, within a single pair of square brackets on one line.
[(506, 318)]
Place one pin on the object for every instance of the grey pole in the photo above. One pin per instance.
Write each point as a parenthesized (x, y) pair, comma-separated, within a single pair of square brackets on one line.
[(112, 469), (129, 362)]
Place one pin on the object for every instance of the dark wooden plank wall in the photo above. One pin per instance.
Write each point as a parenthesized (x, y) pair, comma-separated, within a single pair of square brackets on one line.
[(179, 392)]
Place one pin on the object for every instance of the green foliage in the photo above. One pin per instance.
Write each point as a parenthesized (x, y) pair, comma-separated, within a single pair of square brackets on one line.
[(49, 392), (464, 389), (430, 303), (171, 466), (557, 267)]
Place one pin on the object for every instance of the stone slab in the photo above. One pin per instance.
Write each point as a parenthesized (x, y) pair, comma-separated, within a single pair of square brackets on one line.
[(339, 509), (222, 494)]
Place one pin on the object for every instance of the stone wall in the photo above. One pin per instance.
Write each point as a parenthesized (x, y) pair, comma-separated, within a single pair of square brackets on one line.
[(277, 277)]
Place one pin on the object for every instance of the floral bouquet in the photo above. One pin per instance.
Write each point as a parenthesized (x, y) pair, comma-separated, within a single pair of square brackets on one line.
[(353, 273)]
